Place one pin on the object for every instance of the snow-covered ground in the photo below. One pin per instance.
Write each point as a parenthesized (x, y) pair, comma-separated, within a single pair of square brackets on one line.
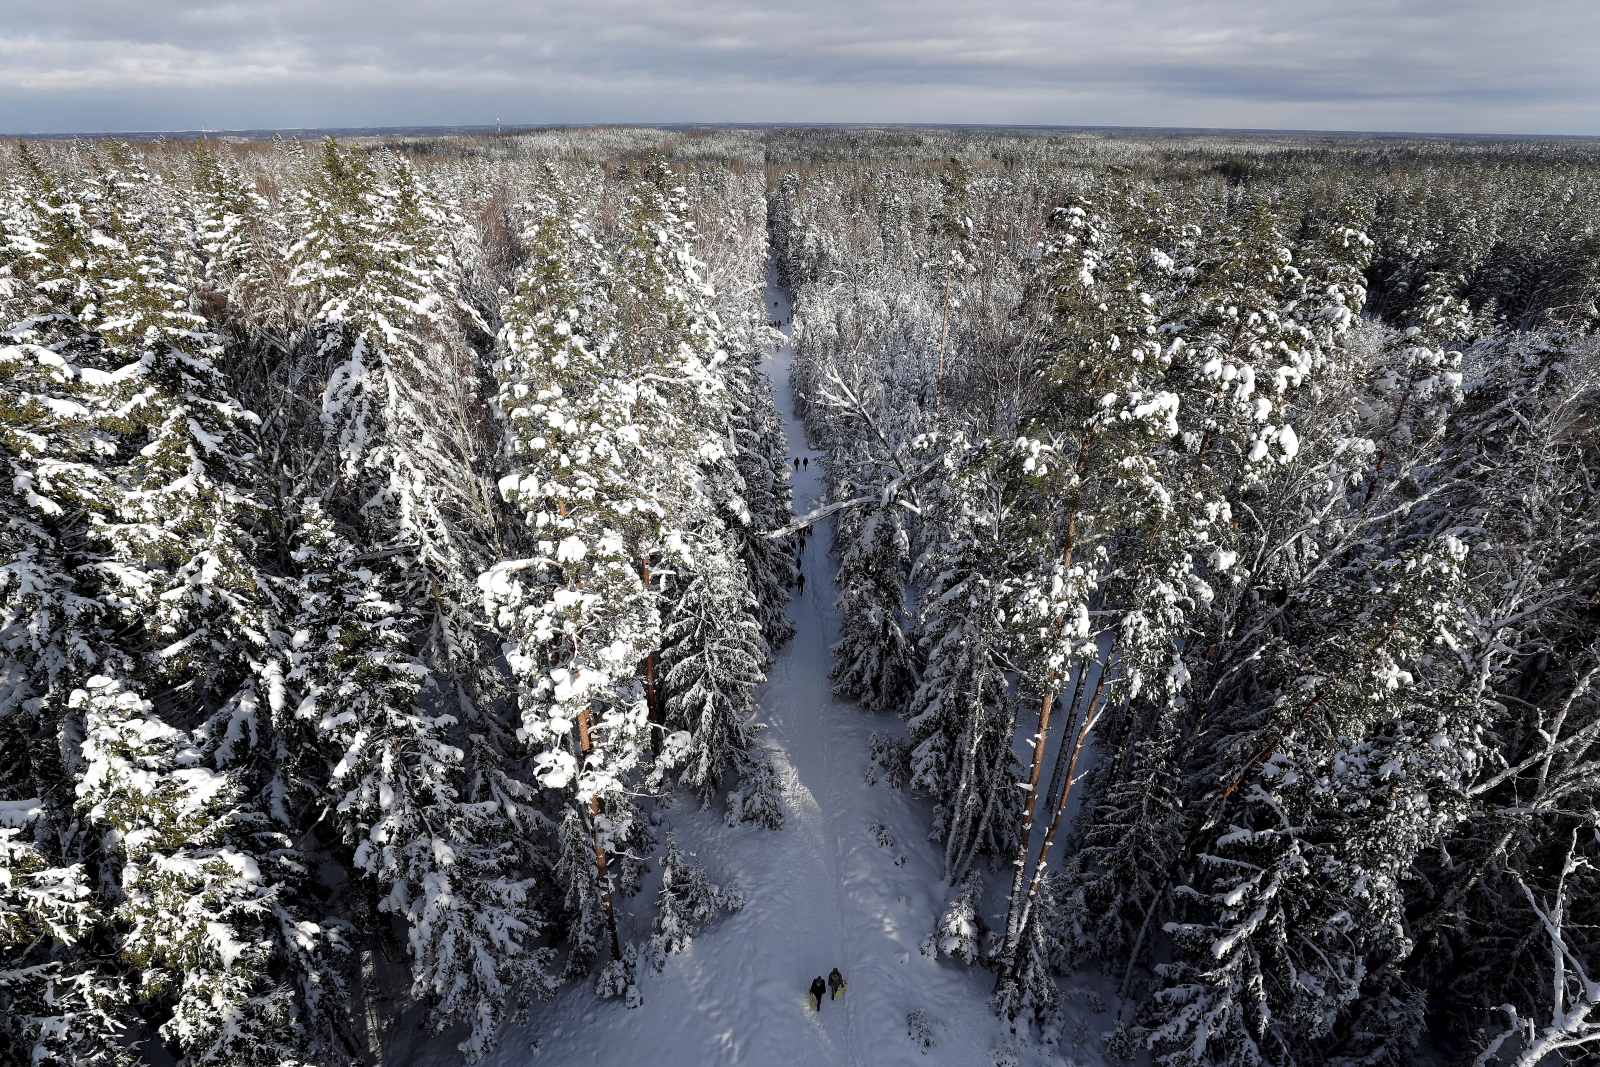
[(822, 893)]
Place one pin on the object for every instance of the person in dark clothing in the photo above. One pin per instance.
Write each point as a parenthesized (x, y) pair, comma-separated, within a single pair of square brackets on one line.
[(818, 988), (802, 585), (797, 463), (806, 463), (835, 983)]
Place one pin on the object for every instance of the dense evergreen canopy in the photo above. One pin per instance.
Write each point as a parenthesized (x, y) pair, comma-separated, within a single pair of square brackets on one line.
[(389, 531)]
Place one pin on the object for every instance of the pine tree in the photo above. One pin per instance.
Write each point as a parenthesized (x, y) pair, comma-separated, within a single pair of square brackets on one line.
[(579, 613), (1302, 874), (953, 238), (1232, 316), (1086, 467), (614, 402)]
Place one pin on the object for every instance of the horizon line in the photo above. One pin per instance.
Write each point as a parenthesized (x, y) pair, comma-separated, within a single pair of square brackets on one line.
[(465, 129)]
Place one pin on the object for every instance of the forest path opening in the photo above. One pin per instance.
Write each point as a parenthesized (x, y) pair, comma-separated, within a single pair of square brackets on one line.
[(821, 893)]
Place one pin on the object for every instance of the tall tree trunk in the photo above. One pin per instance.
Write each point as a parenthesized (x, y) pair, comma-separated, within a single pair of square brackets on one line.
[(1013, 912), (944, 334), (1019, 878), (1091, 716), (599, 849), (654, 704), (1060, 769)]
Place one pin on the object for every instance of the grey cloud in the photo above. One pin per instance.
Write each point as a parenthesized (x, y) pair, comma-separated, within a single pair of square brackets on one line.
[(1469, 65)]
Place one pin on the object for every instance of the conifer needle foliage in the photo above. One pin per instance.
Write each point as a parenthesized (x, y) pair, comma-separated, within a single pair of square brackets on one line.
[(392, 534)]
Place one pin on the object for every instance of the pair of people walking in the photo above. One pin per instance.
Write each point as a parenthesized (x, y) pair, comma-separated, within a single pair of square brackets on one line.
[(833, 987)]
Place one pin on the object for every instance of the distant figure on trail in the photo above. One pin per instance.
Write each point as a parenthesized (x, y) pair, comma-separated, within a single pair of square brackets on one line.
[(802, 584), (818, 988), (797, 463), (835, 983), (806, 462)]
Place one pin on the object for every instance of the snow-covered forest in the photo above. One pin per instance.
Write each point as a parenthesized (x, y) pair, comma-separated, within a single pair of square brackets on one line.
[(405, 655)]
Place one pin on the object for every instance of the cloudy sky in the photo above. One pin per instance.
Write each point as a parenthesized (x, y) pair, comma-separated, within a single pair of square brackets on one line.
[(1518, 66)]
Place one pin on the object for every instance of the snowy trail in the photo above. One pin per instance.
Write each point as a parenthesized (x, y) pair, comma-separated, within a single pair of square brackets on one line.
[(821, 893)]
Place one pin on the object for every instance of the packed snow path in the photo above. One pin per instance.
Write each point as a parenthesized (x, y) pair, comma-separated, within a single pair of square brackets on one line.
[(822, 893)]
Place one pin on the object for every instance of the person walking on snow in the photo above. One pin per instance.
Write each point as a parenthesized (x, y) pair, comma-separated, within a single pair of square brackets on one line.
[(818, 988), (802, 585), (835, 984)]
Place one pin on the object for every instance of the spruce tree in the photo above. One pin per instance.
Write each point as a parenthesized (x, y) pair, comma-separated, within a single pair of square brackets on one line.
[(761, 459), (208, 884), (1130, 838), (710, 667), (961, 928), (410, 486), (962, 716), (442, 863), (205, 921), (686, 902), (874, 659), (53, 1008), (758, 796), (60, 997)]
